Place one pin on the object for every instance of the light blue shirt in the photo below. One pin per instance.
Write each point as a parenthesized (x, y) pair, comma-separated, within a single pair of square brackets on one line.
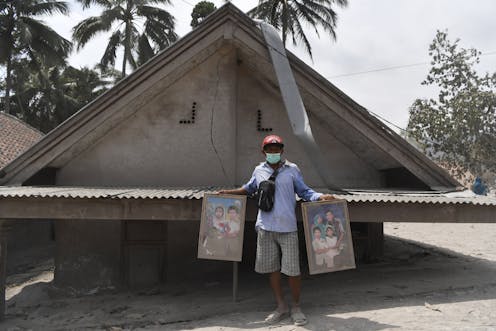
[(282, 217)]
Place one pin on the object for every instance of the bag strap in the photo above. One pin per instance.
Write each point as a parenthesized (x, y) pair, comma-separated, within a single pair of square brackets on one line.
[(274, 174)]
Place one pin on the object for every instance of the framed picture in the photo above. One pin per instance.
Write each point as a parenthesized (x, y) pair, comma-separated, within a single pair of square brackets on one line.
[(328, 236), (221, 227)]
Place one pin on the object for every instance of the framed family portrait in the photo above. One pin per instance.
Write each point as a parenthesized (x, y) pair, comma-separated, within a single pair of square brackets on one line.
[(221, 227), (328, 236)]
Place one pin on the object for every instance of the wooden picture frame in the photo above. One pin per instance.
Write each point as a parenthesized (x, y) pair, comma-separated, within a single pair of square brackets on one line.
[(221, 227), (328, 236)]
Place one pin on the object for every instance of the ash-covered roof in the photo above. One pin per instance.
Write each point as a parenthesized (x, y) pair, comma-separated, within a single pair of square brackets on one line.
[(195, 193), (15, 137)]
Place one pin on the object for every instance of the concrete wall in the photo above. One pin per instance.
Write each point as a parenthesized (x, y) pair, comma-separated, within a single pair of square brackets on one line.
[(152, 148), (221, 147), (88, 254), (348, 169)]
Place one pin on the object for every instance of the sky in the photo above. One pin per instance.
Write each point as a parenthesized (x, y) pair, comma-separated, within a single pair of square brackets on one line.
[(380, 56)]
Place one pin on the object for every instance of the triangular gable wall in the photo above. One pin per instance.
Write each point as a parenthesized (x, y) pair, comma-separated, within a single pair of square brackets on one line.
[(204, 130), (160, 94)]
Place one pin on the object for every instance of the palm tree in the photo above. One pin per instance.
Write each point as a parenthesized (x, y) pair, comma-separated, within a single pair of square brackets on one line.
[(48, 96), (41, 97), (125, 19), (21, 34), (85, 84), (287, 16)]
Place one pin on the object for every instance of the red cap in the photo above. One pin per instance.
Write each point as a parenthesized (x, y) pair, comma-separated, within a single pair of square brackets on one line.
[(272, 139)]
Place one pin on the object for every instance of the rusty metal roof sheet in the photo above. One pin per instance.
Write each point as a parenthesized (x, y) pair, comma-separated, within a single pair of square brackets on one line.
[(461, 197)]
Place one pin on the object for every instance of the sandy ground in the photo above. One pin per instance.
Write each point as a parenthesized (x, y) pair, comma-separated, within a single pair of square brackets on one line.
[(433, 277)]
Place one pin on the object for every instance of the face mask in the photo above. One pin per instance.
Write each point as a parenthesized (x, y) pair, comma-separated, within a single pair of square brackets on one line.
[(273, 158)]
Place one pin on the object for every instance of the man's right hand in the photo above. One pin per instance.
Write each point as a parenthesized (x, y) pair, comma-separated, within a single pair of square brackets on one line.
[(327, 197), (238, 191)]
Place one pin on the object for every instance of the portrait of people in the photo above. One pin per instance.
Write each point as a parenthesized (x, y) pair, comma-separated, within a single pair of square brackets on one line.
[(328, 236), (221, 227)]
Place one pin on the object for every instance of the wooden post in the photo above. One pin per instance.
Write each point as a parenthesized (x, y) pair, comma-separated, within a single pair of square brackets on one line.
[(3, 265), (235, 281), (375, 241)]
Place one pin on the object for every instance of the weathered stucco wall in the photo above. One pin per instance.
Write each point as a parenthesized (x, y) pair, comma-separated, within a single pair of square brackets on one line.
[(255, 95), (221, 147), (153, 148)]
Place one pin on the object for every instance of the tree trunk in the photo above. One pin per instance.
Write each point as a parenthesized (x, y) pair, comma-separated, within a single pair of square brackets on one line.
[(123, 73), (8, 83), (284, 18), (127, 37)]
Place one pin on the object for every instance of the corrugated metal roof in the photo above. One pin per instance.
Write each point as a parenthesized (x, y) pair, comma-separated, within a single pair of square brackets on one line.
[(463, 197), (103, 192)]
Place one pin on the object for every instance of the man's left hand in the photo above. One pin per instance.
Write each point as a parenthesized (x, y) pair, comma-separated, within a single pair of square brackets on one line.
[(327, 197)]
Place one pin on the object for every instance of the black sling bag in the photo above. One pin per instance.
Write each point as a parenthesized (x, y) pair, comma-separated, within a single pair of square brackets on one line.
[(266, 192)]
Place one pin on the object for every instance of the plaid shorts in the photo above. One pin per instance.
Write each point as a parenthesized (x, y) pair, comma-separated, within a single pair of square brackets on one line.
[(268, 259)]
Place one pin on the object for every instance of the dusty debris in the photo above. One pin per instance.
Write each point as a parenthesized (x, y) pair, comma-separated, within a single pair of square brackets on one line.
[(393, 294)]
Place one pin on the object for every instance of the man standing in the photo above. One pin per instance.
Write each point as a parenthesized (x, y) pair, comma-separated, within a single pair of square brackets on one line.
[(276, 229)]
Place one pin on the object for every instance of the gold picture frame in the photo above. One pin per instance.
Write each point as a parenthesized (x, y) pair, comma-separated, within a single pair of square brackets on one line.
[(328, 236), (222, 227)]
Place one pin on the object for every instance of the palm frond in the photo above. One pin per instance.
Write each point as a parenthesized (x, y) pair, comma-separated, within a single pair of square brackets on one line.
[(39, 30), (288, 16), (157, 14), (298, 33), (158, 30), (102, 3), (161, 24), (24, 35), (47, 43), (88, 28), (157, 2), (322, 15), (108, 57), (159, 33), (47, 7), (145, 50)]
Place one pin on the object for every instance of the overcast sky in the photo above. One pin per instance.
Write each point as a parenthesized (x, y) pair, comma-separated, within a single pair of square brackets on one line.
[(371, 35)]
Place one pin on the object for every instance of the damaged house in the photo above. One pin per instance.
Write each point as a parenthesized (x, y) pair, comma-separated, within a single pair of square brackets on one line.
[(123, 178)]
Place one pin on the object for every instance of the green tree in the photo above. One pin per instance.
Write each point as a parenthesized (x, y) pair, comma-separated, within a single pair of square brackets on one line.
[(125, 19), (458, 128), (46, 97), (201, 10), (21, 34), (41, 98), (288, 16), (85, 84)]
